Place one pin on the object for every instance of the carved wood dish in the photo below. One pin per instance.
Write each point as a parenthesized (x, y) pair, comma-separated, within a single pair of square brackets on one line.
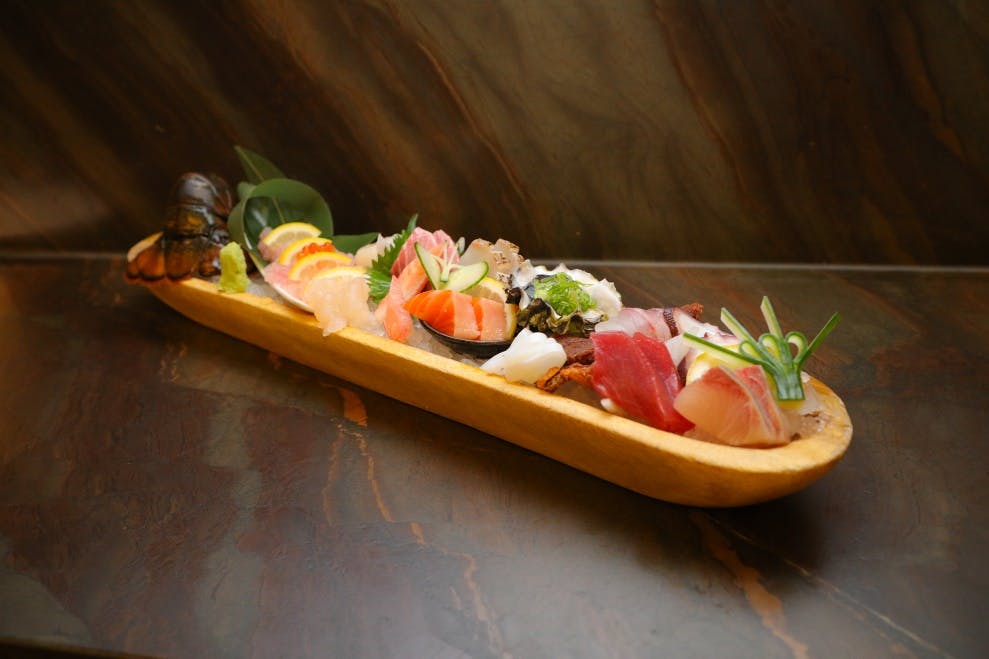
[(652, 462)]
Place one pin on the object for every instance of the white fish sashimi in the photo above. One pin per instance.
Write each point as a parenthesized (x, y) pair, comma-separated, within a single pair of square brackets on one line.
[(366, 255), (502, 257), (631, 321), (339, 302), (687, 324), (529, 357), (678, 348)]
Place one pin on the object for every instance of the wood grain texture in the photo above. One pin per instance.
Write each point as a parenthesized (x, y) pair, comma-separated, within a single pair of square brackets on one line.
[(168, 491), (666, 130), (651, 462)]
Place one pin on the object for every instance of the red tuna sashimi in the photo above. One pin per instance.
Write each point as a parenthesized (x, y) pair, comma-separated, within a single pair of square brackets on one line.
[(438, 243), (492, 321), (392, 314), (734, 407), (446, 311), (638, 375)]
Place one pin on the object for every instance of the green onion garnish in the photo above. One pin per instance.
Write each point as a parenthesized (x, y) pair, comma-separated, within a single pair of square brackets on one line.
[(771, 350)]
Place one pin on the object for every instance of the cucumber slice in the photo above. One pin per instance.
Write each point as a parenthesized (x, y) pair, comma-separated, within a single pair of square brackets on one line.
[(442, 274), (467, 276), (431, 264)]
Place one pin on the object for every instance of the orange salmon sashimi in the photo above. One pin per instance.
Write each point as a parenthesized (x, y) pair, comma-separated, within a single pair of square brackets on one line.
[(392, 314), (462, 316), (492, 319), (447, 311), (391, 310), (411, 280)]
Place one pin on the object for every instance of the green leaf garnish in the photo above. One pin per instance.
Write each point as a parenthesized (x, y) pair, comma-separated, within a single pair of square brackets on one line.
[(257, 168), (379, 274), (273, 202), (287, 200), (352, 243), (244, 189), (771, 350), (378, 285)]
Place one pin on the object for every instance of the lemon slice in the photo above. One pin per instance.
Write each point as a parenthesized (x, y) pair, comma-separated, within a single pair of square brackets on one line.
[(511, 319), (341, 272), (291, 252), (311, 264), (489, 288), (285, 234), (705, 361)]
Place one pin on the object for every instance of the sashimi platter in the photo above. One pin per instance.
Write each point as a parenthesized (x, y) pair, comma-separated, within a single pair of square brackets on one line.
[(659, 401)]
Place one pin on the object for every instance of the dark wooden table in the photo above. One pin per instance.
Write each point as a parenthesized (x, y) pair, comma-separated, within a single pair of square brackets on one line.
[(168, 491)]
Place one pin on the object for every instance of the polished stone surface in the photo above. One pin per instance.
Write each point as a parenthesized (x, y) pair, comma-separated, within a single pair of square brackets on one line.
[(671, 130), (166, 490)]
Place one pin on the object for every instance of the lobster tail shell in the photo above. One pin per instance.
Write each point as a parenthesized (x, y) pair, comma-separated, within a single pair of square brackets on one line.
[(146, 262), (194, 232), (203, 189)]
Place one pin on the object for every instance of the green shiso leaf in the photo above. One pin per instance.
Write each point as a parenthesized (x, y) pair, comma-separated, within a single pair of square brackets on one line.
[(379, 274), (378, 284)]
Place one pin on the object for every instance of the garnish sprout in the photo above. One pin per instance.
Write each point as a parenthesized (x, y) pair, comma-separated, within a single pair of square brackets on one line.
[(771, 350)]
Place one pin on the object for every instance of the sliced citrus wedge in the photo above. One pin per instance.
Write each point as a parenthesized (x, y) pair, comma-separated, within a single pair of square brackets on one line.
[(284, 235), (310, 265), (302, 246), (489, 288), (705, 361)]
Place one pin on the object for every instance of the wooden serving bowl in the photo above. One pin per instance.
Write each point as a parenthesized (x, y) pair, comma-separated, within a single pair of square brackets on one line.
[(635, 456)]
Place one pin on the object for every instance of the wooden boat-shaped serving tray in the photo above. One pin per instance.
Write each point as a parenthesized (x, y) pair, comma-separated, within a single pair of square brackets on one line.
[(643, 459)]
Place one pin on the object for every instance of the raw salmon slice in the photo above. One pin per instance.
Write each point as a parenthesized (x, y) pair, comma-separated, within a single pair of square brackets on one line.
[(392, 314), (447, 311), (492, 321)]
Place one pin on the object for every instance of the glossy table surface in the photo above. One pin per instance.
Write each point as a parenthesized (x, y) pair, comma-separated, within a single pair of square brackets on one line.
[(168, 491)]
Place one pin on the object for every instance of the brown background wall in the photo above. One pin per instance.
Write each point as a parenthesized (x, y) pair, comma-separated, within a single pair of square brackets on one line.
[(747, 130)]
